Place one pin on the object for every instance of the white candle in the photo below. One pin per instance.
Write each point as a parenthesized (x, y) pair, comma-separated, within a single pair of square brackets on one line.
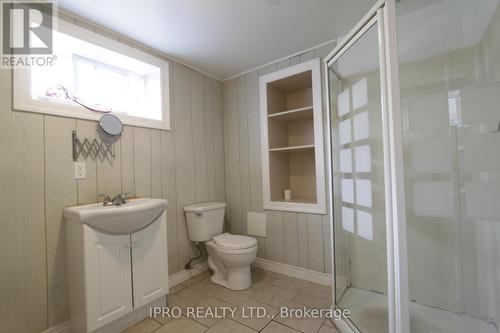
[(288, 194)]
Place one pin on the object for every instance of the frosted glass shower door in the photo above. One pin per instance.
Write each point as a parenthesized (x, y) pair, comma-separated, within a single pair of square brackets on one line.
[(358, 191)]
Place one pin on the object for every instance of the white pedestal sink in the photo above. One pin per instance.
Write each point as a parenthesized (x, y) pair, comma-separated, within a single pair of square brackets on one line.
[(125, 219), (117, 262)]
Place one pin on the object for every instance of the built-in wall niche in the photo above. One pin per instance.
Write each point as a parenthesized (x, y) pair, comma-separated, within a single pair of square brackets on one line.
[(292, 139)]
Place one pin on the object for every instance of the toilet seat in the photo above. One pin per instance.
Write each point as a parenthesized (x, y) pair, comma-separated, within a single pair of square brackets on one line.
[(226, 241)]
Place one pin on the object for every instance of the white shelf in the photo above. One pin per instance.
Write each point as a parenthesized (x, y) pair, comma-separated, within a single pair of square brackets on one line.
[(292, 148), (297, 200), (305, 113), (292, 140)]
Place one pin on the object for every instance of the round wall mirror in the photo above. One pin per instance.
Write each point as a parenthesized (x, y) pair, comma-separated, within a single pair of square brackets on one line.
[(111, 124)]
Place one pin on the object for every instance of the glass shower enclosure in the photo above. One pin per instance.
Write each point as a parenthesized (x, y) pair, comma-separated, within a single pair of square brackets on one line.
[(414, 131)]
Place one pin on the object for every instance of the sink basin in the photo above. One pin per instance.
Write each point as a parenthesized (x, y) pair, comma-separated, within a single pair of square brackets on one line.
[(132, 216)]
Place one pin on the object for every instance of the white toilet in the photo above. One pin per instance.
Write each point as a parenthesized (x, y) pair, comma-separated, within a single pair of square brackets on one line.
[(229, 256)]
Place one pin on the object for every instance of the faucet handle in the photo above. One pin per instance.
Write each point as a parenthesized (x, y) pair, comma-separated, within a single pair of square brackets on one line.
[(120, 199), (107, 199)]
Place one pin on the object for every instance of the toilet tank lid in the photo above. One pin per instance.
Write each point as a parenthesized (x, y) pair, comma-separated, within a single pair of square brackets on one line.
[(204, 206)]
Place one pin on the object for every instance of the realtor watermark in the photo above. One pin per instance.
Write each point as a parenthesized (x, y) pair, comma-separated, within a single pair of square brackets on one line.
[(199, 312), (26, 33)]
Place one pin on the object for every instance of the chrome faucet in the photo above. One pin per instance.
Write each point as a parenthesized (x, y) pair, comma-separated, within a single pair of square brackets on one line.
[(107, 199), (120, 199)]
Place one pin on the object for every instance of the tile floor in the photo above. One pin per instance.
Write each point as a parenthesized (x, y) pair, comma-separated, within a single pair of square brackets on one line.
[(269, 290)]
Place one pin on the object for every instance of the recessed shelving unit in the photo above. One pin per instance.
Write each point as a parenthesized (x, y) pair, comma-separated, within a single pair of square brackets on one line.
[(292, 139)]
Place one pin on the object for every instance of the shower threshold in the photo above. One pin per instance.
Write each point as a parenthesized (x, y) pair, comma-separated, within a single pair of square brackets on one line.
[(369, 314)]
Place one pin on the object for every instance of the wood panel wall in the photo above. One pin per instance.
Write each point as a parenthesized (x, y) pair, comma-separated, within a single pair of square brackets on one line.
[(184, 166), (296, 239)]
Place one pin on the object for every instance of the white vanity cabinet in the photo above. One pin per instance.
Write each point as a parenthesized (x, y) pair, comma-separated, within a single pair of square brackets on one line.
[(111, 275), (149, 268), (108, 282)]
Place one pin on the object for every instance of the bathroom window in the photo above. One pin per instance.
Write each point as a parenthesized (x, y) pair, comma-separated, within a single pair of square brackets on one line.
[(103, 74)]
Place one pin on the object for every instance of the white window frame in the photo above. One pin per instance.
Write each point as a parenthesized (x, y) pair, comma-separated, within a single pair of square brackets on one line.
[(23, 101)]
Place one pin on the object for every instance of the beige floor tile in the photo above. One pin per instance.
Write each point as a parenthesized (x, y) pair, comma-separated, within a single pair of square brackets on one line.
[(306, 325), (175, 289), (199, 291), (173, 301), (273, 295), (328, 322), (182, 325), (291, 283), (275, 327), (196, 278), (233, 296), (147, 325), (261, 278), (229, 326), (315, 296), (328, 329), (245, 316), (216, 307)]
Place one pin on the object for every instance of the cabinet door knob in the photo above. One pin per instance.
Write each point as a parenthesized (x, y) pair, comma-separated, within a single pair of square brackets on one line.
[(128, 246)]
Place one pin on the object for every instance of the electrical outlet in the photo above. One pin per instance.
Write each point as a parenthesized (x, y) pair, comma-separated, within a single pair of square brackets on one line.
[(80, 172)]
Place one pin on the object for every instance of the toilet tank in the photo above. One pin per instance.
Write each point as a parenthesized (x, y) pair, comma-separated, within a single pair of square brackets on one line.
[(205, 220)]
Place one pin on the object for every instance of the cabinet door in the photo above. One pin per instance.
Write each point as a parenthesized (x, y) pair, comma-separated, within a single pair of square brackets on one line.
[(108, 277), (149, 262)]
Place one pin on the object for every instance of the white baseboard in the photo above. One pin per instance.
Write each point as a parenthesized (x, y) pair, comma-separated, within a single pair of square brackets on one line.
[(61, 328), (293, 271), (173, 280), (185, 275)]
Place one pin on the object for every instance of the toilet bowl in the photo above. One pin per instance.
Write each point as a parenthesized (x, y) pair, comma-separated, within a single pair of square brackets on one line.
[(229, 256)]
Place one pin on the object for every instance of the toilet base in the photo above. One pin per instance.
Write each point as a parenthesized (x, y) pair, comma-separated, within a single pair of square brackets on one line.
[(236, 278)]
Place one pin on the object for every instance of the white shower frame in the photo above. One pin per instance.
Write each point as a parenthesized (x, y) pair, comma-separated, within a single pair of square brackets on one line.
[(383, 13)]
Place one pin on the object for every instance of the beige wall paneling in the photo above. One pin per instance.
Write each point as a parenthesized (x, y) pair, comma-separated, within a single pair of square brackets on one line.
[(198, 132), (295, 60), (127, 161), (184, 158), (60, 192), (219, 146), (291, 238), (303, 240), (225, 118), (109, 171), (315, 242), (87, 188), (327, 249), (209, 110), (262, 241), (283, 64), (275, 248), (156, 166), (254, 163), (169, 193), (254, 160), (233, 171), (243, 150), (142, 162), (23, 279)]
